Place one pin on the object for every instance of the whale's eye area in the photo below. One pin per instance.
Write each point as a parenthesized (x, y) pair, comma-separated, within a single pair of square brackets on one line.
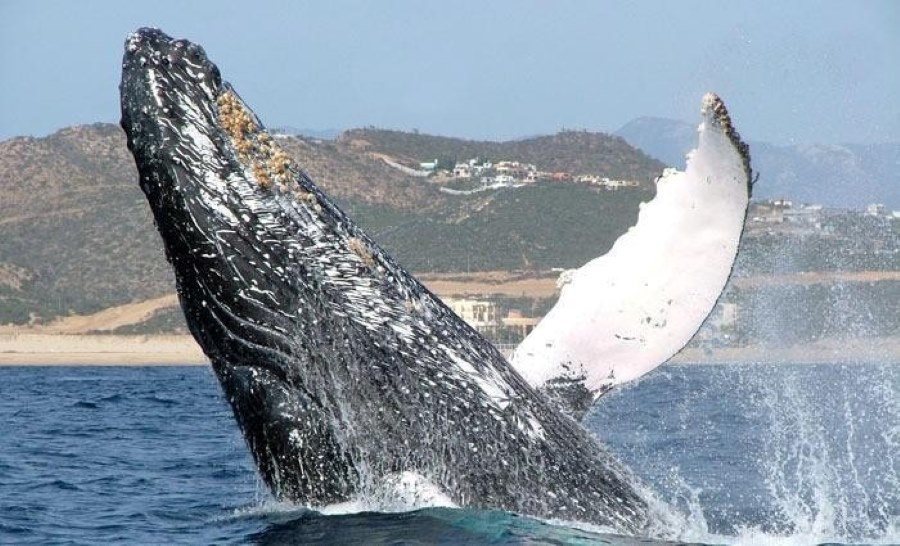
[(174, 57), (195, 53), (216, 76)]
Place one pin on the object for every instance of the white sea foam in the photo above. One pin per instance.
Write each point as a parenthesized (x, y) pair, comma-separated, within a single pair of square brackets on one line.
[(399, 492)]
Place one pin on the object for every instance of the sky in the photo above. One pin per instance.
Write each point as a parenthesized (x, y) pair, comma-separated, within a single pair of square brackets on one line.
[(791, 72)]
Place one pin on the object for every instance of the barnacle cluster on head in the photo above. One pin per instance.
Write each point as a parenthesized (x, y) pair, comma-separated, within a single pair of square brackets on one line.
[(714, 105), (307, 198), (362, 250), (255, 147)]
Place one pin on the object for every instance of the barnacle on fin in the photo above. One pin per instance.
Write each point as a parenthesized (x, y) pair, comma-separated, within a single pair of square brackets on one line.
[(720, 117)]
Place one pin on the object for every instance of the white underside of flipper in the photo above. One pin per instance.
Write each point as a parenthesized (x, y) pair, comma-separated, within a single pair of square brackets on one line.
[(628, 311)]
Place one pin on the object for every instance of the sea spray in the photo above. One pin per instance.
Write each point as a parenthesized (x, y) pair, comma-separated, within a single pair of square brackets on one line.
[(763, 453)]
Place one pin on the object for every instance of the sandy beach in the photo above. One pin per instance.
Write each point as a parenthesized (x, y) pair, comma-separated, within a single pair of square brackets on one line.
[(43, 349), (29, 349)]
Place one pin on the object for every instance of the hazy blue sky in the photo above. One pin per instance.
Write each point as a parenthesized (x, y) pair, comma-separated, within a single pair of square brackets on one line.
[(811, 71)]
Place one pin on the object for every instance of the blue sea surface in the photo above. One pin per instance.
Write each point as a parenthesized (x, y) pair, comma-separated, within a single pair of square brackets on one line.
[(792, 454)]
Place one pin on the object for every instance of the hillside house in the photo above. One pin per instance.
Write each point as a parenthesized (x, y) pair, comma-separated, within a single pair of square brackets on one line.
[(609, 184), (506, 167), (492, 320), (462, 170), (876, 209), (472, 168), (514, 168), (479, 167), (588, 179), (769, 212)]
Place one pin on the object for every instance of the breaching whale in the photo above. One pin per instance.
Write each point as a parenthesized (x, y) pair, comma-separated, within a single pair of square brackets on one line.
[(346, 376)]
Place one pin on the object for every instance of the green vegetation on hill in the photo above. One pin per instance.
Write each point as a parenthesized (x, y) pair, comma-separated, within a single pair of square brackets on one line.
[(535, 227)]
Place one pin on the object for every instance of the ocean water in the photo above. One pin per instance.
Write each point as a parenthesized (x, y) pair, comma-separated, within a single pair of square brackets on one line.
[(754, 454)]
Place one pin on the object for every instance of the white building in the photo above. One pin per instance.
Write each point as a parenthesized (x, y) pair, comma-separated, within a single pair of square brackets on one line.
[(483, 315), (876, 209), (462, 170)]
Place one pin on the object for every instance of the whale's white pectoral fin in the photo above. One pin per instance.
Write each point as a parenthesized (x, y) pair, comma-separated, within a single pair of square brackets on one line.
[(625, 313)]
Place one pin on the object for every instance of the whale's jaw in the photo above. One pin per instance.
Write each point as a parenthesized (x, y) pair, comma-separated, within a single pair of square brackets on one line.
[(342, 370)]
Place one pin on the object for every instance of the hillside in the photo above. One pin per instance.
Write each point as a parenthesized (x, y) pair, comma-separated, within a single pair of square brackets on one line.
[(531, 228), (576, 152), (75, 225), (77, 237), (350, 175)]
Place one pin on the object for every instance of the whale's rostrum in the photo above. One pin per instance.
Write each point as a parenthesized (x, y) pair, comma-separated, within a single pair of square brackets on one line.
[(345, 374)]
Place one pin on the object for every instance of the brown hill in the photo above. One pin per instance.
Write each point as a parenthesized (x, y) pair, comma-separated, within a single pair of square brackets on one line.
[(70, 209)]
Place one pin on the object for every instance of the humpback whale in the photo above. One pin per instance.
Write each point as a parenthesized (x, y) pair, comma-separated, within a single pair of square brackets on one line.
[(346, 376)]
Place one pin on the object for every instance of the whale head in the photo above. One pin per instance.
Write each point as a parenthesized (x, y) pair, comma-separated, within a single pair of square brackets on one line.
[(168, 87)]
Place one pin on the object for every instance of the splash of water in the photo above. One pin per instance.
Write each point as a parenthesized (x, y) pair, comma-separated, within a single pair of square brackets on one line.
[(822, 456), (825, 453)]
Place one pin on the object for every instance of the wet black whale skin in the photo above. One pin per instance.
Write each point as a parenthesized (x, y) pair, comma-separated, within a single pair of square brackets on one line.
[(343, 371)]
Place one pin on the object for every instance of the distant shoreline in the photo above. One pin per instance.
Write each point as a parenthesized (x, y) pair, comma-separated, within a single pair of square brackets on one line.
[(27, 349), (880, 352), (37, 349)]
